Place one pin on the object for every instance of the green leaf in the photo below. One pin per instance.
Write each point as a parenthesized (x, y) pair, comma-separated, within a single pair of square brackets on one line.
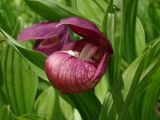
[(42, 85), (101, 88), (154, 15), (105, 19), (149, 84), (150, 67), (29, 117), (20, 83), (91, 9), (66, 109), (114, 35), (50, 106), (129, 11), (134, 81), (151, 97), (121, 92), (77, 115), (3, 23), (140, 42), (29, 55), (107, 111), (3, 99), (16, 29), (50, 9), (87, 104), (5, 113), (148, 12)]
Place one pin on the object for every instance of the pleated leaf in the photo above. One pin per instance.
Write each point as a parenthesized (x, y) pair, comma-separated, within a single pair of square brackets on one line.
[(50, 106), (114, 35), (51, 9), (20, 82), (29, 117), (140, 42), (129, 12), (87, 104), (101, 88), (29, 55), (134, 82), (113, 103), (151, 98), (5, 113), (91, 9)]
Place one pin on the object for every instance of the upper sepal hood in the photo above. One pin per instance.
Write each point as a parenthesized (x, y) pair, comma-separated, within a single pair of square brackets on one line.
[(48, 37), (79, 66), (87, 30)]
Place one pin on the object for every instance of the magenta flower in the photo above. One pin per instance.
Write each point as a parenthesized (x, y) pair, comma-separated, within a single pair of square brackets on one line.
[(79, 66), (72, 67), (48, 37)]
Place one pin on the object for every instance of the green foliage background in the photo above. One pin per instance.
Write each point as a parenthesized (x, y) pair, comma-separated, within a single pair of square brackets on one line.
[(128, 91)]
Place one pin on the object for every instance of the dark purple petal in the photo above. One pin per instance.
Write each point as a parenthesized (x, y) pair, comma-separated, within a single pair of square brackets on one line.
[(86, 29), (53, 44), (49, 38), (41, 31)]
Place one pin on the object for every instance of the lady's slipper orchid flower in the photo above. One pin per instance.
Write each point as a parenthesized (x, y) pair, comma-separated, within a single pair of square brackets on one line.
[(49, 38), (79, 65), (72, 67)]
